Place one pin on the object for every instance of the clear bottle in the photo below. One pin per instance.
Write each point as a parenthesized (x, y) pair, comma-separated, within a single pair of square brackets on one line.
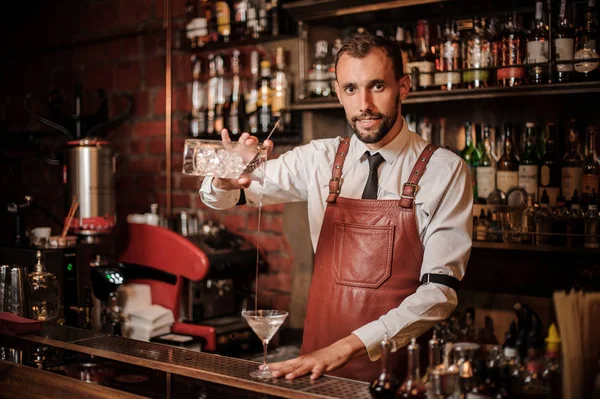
[(543, 221), (528, 221), (223, 93), (572, 165), (590, 179), (385, 386), (197, 126), (537, 48), (486, 170), (511, 55), (564, 44), (528, 167), (550, 173), (586, 47), (318, 76), (507, 176), (449, 59), (213, 82), (423, 64), (236, 108), (412, 387), (471, 155), (240, 19), (592, 225), (476, 57), (45, 292), (265, 98), (252, 94), (281, 92), (481, 227)]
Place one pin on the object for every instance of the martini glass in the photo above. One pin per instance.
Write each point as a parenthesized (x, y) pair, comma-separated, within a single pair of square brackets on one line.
[(265, 324)]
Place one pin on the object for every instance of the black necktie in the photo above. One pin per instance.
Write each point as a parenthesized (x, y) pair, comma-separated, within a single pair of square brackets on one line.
[(370, 191)]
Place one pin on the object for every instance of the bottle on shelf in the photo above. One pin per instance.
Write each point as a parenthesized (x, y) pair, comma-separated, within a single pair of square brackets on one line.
[(223, 93), (471, 155), (586, 46), (412, 387), (528, 167), (592, 225), (265, 98), (476, 57), (552, 374), (236, 108), (198, 120), (281, 92), (564, 44), (222, 11), (449, 61), (206, 12), (401, 41), (337, 45), (550, 169), (212, 96), (537, 48), (486, 170), (528, 221), (385, 386), (590, 179), (494, 233), (543, 221), (273, 17), (511, 55), (507, 175), (560, 222), (252, 94), (572, 164), (575, 226), (318, 76), (194, 23), (481, 227), (422, 68), (45, 292), (240, 19)]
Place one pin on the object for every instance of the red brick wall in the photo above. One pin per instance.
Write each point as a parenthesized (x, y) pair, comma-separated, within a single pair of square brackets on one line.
[(47, 53)]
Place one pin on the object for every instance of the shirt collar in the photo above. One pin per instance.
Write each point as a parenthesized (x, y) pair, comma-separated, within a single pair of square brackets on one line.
[(390, 151)]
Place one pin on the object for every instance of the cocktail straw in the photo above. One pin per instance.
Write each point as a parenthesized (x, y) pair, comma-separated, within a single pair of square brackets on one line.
[(72, 211), (274, 127)]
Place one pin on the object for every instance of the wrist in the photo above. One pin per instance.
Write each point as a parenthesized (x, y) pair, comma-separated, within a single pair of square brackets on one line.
[(353, 346), (221, 184)]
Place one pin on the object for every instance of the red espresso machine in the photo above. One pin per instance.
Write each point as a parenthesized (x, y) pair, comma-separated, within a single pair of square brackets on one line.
[(214, 283)]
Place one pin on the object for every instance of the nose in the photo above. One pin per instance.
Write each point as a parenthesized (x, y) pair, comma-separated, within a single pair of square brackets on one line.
[(366, 101)]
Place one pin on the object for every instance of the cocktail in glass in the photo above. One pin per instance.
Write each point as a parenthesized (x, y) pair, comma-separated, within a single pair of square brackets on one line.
[(225, 159), (265, 324)]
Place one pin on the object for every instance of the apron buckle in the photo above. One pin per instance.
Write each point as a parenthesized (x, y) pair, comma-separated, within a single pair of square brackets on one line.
[(334, 185), (409, 190)]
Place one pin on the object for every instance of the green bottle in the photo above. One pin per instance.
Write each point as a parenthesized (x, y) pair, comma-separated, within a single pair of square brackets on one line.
[(486, 170), (471, 155), (529, 165)]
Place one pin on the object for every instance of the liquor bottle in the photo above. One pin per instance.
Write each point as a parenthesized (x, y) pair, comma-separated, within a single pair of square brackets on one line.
[(507, 176), (528, 222), (252, 24), (550, 173), (476, 57), (564, 44), (281, 92), (586, 47), (192, 29), (410, 47), (212, 96), (590, 179), (223, 92), (481, 227), (511, 55), (424, 62), (479, 388), (198, 119), (385, 386), (528, 167), (252, 95), (552, 375), (449, 59), (572, 165), (223, 14), (45, 292), (471, 155), (240, 19), (543, 221), (401, 40), (495, 38), (486, 170), (575, 226), (560, 221), (265, 98), (412, 387), (592, 225), (236, 109), (494, 233), (209, 33), (537, 48), (318, 76), (337, 45)]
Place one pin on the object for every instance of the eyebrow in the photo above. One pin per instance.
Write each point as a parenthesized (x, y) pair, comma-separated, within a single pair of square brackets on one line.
[(370, 84)]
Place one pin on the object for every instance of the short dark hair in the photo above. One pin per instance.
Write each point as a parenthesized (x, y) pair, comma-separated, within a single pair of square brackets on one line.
[(362, 44)]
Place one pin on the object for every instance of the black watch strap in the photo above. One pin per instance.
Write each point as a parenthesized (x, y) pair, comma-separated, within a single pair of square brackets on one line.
[(242, 200), (442, 279)]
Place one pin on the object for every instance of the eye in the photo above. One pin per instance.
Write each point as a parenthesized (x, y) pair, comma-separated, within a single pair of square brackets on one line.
[(378, 87), (350, 90)]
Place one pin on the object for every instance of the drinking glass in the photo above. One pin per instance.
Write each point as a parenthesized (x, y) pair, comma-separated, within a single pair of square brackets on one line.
[(225, 159), (264, 323)]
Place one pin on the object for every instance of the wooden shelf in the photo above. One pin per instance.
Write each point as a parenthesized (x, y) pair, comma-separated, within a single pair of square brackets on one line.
[(436, 96), (482, 245)]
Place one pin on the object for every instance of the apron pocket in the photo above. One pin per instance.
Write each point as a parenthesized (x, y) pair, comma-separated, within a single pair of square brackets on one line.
[(362, 255)]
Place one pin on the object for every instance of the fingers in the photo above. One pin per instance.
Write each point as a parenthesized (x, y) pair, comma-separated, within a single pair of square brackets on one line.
[(317, 371), (282, 368), (225, 135), (244, 182), (269, 146), (303, 369)]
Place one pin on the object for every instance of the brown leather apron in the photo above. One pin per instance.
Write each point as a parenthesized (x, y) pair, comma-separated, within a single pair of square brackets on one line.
[(368, 261)]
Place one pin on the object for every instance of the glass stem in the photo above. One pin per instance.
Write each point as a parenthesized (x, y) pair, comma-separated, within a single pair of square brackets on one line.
[(265, 366)]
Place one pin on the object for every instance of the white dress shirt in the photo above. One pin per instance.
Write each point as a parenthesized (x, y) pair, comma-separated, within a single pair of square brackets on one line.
[(443, 207)]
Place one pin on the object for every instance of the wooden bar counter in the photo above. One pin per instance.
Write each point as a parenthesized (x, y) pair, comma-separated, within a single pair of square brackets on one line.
[(60, 362)]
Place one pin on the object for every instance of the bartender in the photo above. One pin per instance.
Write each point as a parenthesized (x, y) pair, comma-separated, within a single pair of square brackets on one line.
[(390, 221)]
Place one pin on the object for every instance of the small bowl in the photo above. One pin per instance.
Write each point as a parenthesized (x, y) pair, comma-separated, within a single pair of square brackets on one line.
[(60, 242), (216, 158)]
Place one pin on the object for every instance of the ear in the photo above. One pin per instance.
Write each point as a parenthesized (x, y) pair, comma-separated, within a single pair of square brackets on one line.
[(404, 83), (337, 91)]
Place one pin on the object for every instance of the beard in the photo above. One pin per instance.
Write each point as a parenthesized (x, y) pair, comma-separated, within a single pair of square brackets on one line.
[(387, 121)]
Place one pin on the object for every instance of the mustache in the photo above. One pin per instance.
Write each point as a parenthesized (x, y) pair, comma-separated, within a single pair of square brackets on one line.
[(365, 115)]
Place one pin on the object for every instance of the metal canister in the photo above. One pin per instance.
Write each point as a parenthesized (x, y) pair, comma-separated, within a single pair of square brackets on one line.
[(90, 175), (16, 294)]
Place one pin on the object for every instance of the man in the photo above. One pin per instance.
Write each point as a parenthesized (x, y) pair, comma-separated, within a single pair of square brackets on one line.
[(389, 253)]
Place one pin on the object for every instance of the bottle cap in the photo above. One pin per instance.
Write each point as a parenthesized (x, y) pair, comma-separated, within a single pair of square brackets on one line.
[(552, 340)]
